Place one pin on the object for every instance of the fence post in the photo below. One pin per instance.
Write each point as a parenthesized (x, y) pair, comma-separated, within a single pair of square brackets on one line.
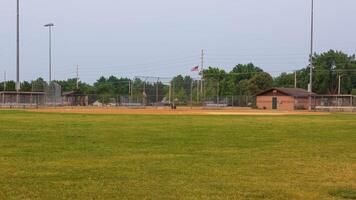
[(217, 94), (157, 92), (129, 91), (197, 91), (351, 101), (173, 95), (170, 93), (191, 94)]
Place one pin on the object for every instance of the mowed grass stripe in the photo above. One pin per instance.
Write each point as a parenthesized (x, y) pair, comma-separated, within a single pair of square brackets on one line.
[(76, 156)]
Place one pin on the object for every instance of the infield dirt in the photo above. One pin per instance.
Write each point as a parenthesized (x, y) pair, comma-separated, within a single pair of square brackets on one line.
[(167, 111)]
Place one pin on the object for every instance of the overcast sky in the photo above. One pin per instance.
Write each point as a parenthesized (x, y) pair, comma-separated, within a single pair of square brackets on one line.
[(165, 37)]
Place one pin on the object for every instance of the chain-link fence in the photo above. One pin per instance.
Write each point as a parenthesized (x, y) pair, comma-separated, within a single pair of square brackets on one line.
[(335, 102), (178, 91), (156, 92), (37, 95), (53, 94), (230, 101)]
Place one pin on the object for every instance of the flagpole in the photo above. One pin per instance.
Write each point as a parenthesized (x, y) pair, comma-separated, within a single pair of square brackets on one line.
[(202, 75), (191, 94), (196, 69)]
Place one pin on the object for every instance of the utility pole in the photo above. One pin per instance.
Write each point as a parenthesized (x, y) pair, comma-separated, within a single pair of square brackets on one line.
[(197, 90), (339, 90), (3, 94), (157, 92), (217, 93), (77, 77), (202, 74), (170, 93), (295, 79), (131, 92), (173, 94), (310, 88), (144, 93), (4, 80), (191, 93)]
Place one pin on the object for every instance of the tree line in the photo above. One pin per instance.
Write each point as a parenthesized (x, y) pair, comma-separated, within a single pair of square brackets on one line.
[(243, 79)]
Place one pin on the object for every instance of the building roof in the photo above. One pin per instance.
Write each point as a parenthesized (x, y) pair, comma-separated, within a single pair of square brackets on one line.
[(73, 93), (295, 92), (22, 93)]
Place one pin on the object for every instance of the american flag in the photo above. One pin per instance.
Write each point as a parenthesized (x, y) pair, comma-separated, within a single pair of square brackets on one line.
[(195, 69)]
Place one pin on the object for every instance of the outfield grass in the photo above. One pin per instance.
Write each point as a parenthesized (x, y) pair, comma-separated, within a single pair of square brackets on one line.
[(68, 156)]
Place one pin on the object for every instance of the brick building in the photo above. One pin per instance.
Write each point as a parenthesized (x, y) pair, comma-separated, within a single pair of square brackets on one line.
[(283, 99)]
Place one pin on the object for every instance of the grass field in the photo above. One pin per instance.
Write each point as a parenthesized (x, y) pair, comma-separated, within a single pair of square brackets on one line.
[(81, 156)]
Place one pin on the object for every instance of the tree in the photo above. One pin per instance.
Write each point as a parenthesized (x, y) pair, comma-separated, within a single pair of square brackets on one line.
[(284, 80), (353, 92), (179, 89), (259, 83), (243, 87), (227, 86), (68, 85), (86, 89), (328, 67), (215, 81), (240, 74), (303, 78), (26, 87), (245, 71), (10, 86), (39, 85), (104, 89)]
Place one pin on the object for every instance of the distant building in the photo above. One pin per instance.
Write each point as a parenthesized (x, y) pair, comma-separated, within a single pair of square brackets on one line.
[(283, 99), (98, 104), (74, 99)]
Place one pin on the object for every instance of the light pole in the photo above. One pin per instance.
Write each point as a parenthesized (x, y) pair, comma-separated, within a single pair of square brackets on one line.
[(17, 85), (50, 51), (4, 90), (18, 47), (310, 88)]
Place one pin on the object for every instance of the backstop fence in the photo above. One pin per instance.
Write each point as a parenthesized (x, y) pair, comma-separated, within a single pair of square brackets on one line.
[(179, 91)]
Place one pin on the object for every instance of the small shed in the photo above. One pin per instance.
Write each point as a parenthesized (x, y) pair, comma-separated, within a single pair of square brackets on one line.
[(74, 98), (283, 99)]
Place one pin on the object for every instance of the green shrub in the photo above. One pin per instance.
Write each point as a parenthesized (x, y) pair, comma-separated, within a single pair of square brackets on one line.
[(353, 92)]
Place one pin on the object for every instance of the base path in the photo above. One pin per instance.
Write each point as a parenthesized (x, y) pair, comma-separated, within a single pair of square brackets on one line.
[(167, 111)]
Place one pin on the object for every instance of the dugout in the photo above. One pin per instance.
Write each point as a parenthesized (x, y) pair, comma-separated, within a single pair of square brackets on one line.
[(74, 98), (22, 99)]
